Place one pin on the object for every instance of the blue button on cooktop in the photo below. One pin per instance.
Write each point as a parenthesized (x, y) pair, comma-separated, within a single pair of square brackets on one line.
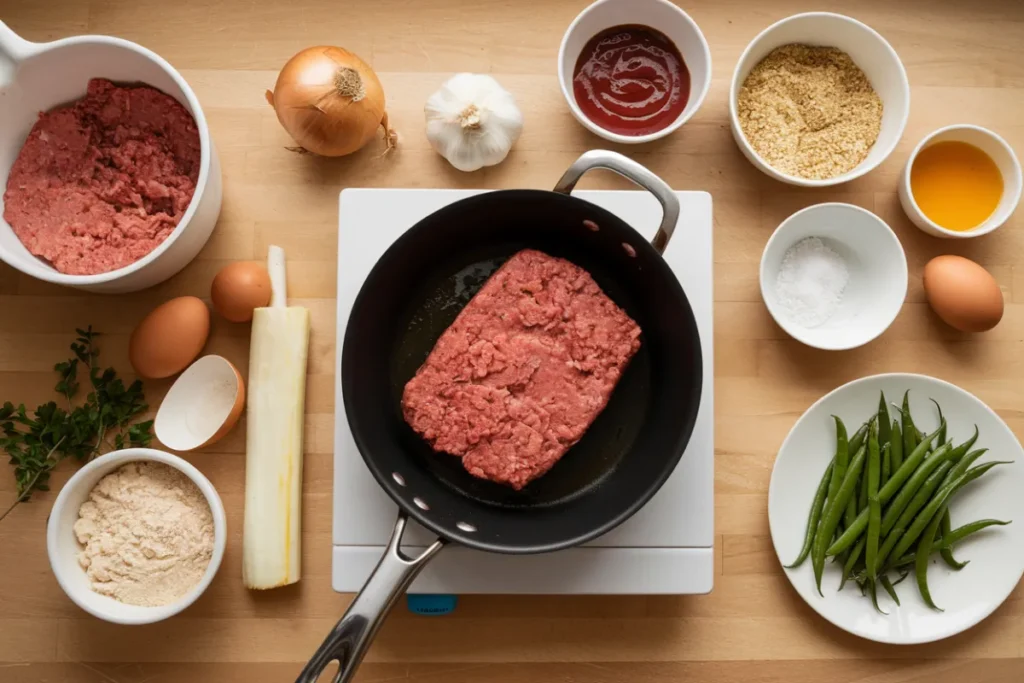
[(431, 605)]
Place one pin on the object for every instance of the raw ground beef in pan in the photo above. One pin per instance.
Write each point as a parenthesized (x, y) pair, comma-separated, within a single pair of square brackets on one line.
[(523, 371)]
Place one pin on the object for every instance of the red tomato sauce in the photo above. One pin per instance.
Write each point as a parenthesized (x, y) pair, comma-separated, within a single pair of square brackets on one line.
[(631, 80)]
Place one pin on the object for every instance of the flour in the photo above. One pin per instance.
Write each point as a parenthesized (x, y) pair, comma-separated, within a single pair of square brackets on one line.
[(147, 532)]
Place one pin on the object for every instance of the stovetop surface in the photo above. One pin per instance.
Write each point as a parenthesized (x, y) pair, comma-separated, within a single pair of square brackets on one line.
[(679, 517)]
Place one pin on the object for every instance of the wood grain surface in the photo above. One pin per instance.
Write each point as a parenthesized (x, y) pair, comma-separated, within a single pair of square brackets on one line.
[(965, 61)]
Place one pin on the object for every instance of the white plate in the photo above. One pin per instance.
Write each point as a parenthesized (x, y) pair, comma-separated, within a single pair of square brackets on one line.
[(996, 554)]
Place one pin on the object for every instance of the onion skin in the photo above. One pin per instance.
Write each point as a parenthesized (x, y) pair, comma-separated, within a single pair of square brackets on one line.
[(330, 101)]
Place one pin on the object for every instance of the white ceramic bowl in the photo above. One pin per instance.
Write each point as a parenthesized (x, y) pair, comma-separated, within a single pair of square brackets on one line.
[(869, 51), (1001, 153), (874, 258), (63, 547), (658, 14), (36, 77)]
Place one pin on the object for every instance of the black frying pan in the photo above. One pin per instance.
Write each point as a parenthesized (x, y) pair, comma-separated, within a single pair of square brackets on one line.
[(415, 291)]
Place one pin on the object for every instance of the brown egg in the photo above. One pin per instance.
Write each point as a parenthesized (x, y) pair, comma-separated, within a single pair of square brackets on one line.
[(963, 293), (169, 338), (238, 289)]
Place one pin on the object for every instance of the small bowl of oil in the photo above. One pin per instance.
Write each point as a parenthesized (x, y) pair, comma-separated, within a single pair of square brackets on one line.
[(961, 181)]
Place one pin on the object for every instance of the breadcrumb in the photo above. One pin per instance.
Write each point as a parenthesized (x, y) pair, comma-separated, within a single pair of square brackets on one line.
[(809, 111)]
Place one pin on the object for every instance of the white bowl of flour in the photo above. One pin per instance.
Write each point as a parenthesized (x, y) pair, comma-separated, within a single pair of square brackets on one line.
[(136, 536), (834, 276)]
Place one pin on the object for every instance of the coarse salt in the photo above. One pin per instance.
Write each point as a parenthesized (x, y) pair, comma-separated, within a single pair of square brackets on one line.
[(811, 282)]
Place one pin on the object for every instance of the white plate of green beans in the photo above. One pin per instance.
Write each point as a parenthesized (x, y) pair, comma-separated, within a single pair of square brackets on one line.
[(908, 492)]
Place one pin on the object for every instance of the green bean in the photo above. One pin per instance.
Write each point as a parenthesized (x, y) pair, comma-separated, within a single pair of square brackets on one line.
[(812, 518), (924, 551), (942, 420), (874, 524), (841, 557), (890, 589), (841, 462), (874, 506), (915, 482), (962, 532), (874, 597), (955, 536), (924, 517), (945, 527), (857, 440), (909, 429), (851, 561), (850, 514), (842, 444), (861, 497), (975, 472), (886, 463), (841, 459), (959, 451), (862, 492), (920, 499), (962, 465), (833, 511), (896, 445), (883, 421), (860, 524)]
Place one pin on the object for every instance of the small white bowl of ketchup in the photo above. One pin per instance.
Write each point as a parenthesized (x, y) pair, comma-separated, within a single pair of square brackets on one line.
[(634, 71)]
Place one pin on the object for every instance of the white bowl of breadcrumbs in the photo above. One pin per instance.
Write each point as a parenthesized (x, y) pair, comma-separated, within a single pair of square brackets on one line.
[(818, 99)]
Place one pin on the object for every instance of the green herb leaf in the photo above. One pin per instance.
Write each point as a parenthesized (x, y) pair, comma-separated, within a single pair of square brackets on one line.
[(36, 445)]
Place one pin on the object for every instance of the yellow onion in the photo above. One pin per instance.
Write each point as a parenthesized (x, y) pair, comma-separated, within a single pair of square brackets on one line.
[(330, 102)]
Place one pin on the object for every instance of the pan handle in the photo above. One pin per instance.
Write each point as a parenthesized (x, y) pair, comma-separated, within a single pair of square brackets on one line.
[(351, 637), (627, 168)]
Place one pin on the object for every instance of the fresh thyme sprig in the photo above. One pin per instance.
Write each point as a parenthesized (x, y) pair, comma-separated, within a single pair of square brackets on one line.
[(36, 443)]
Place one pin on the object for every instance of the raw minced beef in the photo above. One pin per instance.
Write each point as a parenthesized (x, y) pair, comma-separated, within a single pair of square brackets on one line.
[(523, 371), (101, 183)]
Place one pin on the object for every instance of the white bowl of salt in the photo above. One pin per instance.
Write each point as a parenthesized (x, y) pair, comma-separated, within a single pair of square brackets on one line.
[(833, 276)]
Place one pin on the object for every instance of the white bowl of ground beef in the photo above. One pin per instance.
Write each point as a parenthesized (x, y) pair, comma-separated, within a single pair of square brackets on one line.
[(136, 536), (109, 181), (818, 143)]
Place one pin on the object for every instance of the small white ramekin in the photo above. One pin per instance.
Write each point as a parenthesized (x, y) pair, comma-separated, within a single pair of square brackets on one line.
[(869, 50), (658, 14), (999, 151), (874, 259), (37, 77), (63, 547)]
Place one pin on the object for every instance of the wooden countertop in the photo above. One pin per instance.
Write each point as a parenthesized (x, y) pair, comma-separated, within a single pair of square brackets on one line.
[(966, 64)]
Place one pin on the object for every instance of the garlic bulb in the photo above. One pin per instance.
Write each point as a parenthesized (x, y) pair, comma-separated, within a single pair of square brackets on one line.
[(472, 121)]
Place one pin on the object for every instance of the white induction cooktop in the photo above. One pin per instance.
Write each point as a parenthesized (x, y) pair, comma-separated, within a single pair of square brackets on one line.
[(665, 548)]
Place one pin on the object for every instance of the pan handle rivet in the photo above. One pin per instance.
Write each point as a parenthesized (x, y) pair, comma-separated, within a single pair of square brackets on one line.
[(399, 479), (420, 504), (466, 526)]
